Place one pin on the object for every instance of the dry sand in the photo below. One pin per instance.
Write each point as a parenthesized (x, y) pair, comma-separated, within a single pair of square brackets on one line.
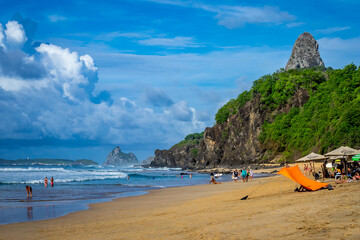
[(272, 211)]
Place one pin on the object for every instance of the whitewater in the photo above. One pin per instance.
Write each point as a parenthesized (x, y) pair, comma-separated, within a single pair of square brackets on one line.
[(77, 186)]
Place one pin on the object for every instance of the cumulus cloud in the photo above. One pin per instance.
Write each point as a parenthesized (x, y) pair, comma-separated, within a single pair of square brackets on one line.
[(2, 36), (51, 92), (15, 34)]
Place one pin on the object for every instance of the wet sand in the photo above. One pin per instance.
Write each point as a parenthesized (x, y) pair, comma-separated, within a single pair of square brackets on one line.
[(272, 211)]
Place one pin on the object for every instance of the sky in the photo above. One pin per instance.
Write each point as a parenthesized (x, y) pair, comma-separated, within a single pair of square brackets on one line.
[(78, 78)]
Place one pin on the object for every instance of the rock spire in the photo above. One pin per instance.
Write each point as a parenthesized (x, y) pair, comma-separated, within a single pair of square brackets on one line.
[(305, 53)]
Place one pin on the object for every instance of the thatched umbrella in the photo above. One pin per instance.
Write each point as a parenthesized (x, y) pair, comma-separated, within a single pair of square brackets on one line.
[(311, 157), (343, 151)]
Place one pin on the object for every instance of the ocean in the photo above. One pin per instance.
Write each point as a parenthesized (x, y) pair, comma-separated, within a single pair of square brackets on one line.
[(76, 187)]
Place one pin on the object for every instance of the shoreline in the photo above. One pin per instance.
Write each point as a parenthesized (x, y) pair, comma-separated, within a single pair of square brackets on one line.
[(272, 210)]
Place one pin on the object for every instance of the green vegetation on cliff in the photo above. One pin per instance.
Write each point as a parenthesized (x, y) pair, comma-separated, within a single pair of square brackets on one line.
[(191, 140), (275, 89), (329, 119)]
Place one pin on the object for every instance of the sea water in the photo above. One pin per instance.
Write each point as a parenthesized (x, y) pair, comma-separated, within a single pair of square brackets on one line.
[(76, 187)]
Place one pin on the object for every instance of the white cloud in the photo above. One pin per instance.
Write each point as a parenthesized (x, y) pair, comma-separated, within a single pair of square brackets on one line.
[(237, 16), (2, 37), (338, 52), (15, 33), (177, 42), (56, 18), (68, 70), (57, 103), (331, 30), (294, 24)]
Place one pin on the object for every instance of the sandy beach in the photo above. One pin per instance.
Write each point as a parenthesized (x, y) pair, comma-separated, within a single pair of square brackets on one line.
[(272, 211)]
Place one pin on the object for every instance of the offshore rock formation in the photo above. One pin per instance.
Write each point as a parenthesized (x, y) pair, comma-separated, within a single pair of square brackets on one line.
[(305, 53), (147, 161), (231, 144), (118, 158)]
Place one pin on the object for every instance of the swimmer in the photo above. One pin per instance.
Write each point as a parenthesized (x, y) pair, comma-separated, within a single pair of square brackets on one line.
[(28, 190), (52, 181), (45, 182)]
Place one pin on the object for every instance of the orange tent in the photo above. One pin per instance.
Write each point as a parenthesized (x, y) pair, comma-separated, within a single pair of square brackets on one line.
[(295, 174)]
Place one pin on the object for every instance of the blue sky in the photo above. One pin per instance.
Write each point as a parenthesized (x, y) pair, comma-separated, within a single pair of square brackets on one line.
[(78, 78)]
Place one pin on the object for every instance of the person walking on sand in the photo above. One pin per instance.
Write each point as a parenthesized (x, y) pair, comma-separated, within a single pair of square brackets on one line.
[(28, 190), (45, 182), (251, 174), (52, 181), (235, 175), (244, 174)]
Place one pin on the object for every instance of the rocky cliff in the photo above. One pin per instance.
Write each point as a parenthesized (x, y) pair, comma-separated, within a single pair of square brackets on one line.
[(282, 117), (305, 53), (233, 143), (118, 158)]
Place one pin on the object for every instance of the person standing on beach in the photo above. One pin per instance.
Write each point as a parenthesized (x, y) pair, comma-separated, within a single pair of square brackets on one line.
[(45, 182), (52, 181), (235, 175), (28, 190), (251, 174), (243, 174)]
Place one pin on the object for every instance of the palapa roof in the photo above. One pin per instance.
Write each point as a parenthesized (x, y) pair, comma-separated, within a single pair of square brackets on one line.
[(343, 151), (311, 157)]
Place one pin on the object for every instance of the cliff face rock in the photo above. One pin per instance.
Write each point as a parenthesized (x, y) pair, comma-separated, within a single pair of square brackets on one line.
[(118, 158), (305, 53), (231, 144)]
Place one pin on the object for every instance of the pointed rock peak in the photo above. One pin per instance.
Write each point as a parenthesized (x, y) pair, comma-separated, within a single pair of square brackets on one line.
[(305, 53), (117, 149)]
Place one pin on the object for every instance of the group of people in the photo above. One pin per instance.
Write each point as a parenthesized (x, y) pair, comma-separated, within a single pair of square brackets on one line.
[(29, 188), (308, 169), (51, 181), (244, 174)]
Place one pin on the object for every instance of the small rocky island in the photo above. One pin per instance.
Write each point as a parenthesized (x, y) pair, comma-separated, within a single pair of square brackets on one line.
[(118, 158)]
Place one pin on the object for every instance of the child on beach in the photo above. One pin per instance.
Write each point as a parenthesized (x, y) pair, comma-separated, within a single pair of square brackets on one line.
[(251, 174), (45, 182)]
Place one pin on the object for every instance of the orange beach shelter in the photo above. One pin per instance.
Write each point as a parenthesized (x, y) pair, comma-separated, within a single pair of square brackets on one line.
[(295, 174)]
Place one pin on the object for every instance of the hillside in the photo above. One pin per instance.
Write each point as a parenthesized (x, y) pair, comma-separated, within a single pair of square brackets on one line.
[(283, 116)]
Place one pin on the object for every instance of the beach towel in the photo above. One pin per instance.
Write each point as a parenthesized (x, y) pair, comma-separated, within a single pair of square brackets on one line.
[(295, 174)]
